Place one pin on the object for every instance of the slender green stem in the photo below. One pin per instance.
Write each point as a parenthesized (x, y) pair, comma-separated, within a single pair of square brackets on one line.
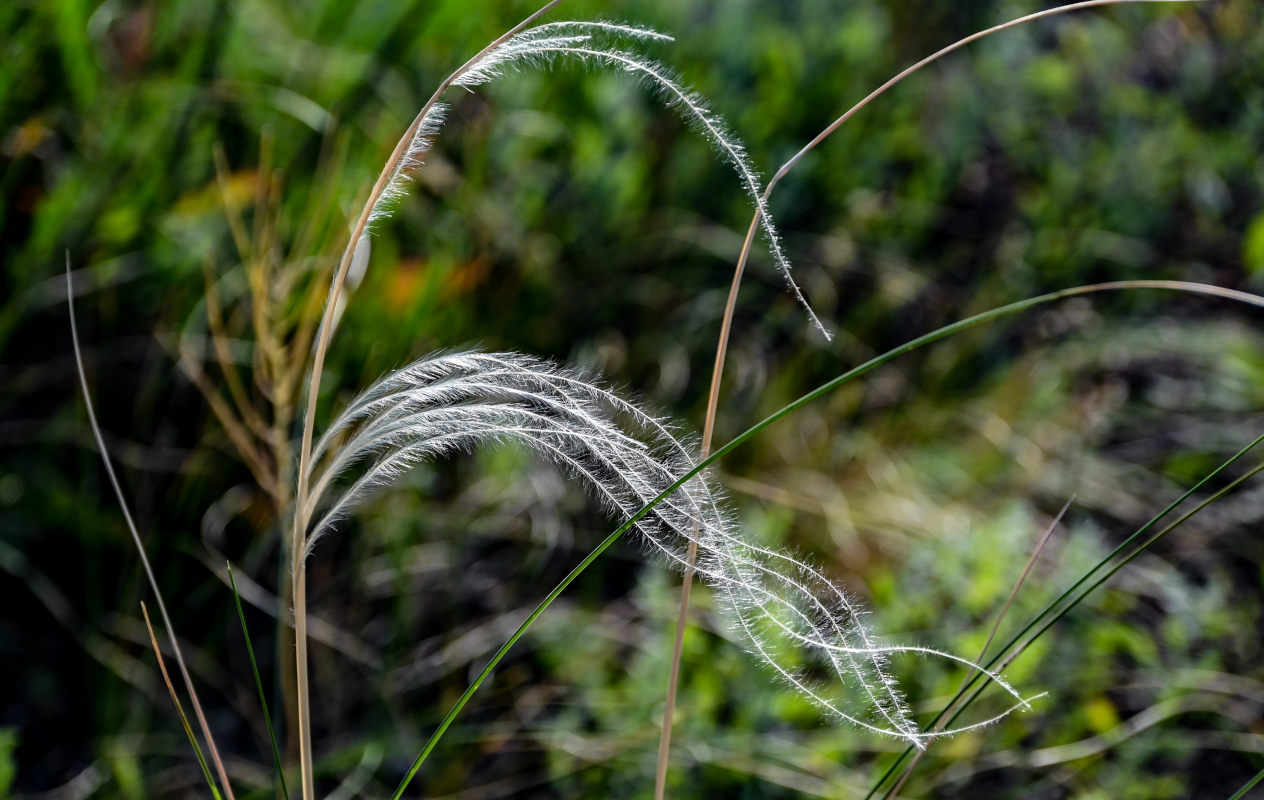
[(820, 391), (512, 640), (1246, 787), (175, 700), (1060, 607), (254, 667), (996, 626)]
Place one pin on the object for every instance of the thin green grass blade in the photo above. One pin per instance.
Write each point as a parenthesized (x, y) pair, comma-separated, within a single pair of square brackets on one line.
[(254, 667), (1246, 787), (513, 639), (748, 434), (206, 770), (1146, 545), (1058, 611), (175, 700), (1065, 602)]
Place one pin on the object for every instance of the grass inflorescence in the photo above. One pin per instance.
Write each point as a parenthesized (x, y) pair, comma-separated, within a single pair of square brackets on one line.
[(810, 633)]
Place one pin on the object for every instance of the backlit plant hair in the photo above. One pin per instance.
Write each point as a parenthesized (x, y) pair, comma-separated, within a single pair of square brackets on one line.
[(782, 606), (791, 616)]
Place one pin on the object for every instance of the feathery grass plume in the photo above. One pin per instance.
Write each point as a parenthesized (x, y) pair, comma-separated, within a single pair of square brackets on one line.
[(548, 410), (593, 44), (585, 42), (787, 611)]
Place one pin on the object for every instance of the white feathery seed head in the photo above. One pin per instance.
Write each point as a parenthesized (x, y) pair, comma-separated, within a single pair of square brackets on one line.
[(595, 44), (397, 186), (785, 609)]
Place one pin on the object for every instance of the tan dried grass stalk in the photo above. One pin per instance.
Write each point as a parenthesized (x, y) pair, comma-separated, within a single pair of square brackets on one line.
[(298, 575)]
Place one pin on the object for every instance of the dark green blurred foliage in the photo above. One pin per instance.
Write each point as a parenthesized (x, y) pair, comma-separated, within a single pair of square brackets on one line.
[(564, 214)]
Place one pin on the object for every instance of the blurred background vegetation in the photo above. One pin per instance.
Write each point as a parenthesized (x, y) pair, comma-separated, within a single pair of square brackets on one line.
[(566, 214)]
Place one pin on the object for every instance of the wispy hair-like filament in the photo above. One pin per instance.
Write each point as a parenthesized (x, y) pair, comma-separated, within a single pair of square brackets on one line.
[(588, 43), (791, 616)]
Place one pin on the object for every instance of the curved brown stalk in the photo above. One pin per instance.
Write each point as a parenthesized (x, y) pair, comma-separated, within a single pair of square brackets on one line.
[(140, 547), (297, 570), (726, 325)]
